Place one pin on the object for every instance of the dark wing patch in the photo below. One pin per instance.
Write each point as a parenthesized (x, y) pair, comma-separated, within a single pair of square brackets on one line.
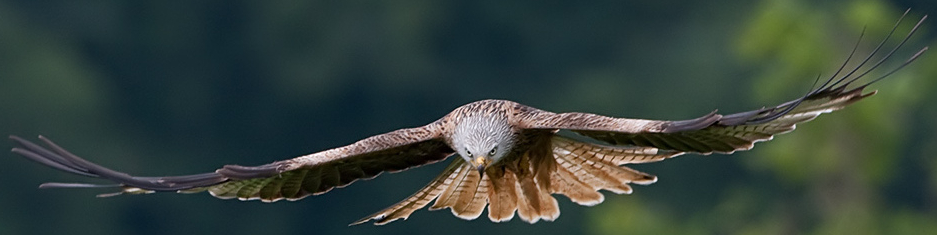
[(726, 133), (288, 179), (719, 138), (58, 158)]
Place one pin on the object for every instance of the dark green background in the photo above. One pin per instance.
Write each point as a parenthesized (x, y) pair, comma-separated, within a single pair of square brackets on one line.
[(181, 87)]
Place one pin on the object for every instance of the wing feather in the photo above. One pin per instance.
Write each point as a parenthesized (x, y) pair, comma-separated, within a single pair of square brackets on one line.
[(473, 204), (451, 194), (465, 191), (565, 183), (716, 133), (616, 155), (292, 183), (584, 168), (598, 174), (420, 199), (291, 179)]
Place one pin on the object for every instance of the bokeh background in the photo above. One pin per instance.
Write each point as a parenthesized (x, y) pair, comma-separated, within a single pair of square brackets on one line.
[(181, 87)]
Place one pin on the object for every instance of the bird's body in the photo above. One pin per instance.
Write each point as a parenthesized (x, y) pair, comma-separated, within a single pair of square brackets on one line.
[(517, 168), (512, 159)]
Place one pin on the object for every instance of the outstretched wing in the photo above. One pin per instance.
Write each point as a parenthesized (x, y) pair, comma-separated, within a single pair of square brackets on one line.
[(723, 133), (290, 179)]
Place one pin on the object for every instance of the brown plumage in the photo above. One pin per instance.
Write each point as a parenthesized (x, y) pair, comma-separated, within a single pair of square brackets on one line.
[(512, 160)]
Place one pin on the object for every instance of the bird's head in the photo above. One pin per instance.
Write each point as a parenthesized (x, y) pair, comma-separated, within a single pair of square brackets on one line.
[(483, 140)]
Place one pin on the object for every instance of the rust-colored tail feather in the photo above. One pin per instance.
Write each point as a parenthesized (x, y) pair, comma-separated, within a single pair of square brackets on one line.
[(502, 199), (528, 202), (543, 167)]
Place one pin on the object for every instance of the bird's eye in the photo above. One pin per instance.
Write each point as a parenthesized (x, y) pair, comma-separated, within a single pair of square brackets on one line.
[(493, 151), (468, 152)]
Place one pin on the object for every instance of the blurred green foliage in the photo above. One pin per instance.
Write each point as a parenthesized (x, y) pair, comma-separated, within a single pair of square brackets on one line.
[(178, 87)]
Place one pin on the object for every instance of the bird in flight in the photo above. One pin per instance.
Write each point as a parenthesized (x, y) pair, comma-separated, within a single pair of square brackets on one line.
[(510, 157)]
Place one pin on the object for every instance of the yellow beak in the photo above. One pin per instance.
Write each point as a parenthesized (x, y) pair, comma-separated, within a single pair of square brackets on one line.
[(481, 163)]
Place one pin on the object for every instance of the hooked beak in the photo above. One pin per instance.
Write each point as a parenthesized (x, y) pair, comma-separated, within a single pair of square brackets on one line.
[(481, 163)]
